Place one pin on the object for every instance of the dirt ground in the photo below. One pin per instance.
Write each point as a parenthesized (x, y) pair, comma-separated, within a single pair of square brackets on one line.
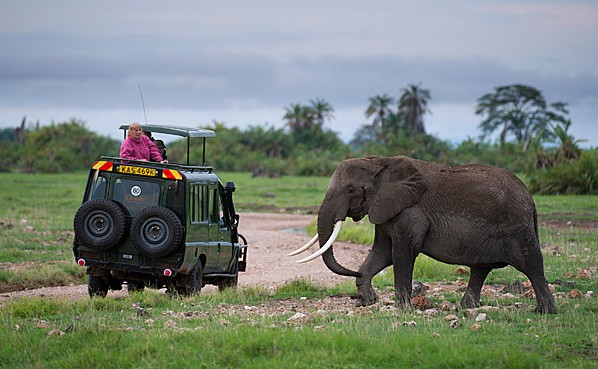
[(270, 237)]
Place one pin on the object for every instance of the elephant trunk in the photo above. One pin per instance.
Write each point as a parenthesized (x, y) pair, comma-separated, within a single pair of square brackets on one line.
[(326, 219)]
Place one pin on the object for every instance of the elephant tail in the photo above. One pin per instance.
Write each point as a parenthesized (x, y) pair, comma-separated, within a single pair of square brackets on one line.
[(536, 224)]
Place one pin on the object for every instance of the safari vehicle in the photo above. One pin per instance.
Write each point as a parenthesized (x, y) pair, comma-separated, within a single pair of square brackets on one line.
[(147, 224)]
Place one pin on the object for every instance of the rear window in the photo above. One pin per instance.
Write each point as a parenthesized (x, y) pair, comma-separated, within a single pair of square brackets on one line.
[(135, 195), (98, 189)]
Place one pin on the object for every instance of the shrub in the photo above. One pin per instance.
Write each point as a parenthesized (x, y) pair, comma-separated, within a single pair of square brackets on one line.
[(576, 177)]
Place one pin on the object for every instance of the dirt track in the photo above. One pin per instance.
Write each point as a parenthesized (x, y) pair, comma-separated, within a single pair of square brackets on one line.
[(271, 237)]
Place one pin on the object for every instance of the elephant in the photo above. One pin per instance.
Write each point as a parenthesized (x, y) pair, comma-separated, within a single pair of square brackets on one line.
[(475, 215)]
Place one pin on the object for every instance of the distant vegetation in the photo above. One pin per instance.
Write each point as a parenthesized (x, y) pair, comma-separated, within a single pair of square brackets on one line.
[(533, 139)]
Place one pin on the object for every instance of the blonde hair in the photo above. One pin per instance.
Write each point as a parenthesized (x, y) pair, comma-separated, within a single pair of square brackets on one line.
[(132, 126)]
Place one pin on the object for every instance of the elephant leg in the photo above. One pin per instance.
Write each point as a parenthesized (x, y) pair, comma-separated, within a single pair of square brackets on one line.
[(379, 257), (471, 297), (534, 270), (403, 259)]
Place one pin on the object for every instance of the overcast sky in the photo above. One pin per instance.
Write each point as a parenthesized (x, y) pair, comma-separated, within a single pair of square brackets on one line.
[(243, 62)]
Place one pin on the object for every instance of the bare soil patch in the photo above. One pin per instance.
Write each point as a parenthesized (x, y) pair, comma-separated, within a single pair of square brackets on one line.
[(271, 238)]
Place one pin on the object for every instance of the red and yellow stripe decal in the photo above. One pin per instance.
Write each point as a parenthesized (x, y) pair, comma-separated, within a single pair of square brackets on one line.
[(172, 174), (103, 165)]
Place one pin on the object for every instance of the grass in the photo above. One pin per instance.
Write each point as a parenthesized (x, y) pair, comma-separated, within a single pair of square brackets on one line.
[(146, 330), (286, 194)]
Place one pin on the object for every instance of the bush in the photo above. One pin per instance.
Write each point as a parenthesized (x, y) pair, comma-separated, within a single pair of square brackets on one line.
[(575, 177)]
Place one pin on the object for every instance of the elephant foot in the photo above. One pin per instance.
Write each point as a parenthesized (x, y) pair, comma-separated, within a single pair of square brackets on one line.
[(545, 309), (366, 297), (470, 300), (404, 305)]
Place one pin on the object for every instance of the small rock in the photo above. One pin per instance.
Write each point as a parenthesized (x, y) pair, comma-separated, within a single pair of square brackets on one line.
[(418, 289), (55, 332), (475, 327), (451, 317), (42, 323), (514, 288), (170, 324), (298, 318), (482, 317), (575, 294), (431, 312), (411, 323), (421, 303), (447, 306), (529, 294), (436, 335), (461, 271), (584, 274)]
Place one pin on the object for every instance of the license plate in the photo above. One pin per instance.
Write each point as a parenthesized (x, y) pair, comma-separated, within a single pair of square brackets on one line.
[(138, 170)]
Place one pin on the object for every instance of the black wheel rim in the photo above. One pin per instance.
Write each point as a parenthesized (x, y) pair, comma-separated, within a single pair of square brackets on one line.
[(99, 225), (155, 232)]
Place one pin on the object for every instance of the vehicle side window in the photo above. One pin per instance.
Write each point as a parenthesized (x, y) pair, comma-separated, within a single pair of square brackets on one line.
[(135, 195), (199, 202), (98, 189), (215, 209)]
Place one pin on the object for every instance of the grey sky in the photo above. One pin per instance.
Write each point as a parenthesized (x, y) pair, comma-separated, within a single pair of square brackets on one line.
[(242, 62)]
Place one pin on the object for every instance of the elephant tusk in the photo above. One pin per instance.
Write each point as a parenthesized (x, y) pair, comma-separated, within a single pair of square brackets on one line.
[(327, 245), (306, 246)]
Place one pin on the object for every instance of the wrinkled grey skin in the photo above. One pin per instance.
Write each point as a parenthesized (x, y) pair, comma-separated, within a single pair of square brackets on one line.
[(473, 215)]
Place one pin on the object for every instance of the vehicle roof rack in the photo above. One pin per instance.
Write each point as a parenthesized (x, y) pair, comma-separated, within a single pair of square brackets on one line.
[(187, 132)]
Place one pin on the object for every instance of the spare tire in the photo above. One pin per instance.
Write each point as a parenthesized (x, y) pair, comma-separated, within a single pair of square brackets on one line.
[(100, 224), (156, 231)]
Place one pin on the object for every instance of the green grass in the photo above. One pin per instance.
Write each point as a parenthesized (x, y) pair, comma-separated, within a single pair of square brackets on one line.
[(286, 194), (229, 330), (148, 330)]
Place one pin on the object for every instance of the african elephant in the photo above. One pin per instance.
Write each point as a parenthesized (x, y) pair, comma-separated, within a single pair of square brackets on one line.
[(474, 215)]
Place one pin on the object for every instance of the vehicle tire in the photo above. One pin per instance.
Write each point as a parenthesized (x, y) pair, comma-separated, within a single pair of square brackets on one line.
[(156, 231), (100, 224), (227, 283), (190, 284), (97, 286), (133, 287)]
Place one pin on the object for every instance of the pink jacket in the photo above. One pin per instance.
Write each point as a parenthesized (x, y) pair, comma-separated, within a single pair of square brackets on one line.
[(140, 149)]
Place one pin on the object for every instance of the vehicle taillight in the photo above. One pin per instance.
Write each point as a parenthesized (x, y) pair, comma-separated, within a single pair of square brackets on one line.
[(81, 262), (167, 272)]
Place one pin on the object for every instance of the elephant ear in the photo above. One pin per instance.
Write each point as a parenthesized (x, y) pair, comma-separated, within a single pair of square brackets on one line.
[(399, 186)]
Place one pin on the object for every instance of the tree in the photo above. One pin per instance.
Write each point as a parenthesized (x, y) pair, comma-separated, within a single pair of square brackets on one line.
[(520, 110), (321, 111), (413, 105), (299, 117), (379, 108)]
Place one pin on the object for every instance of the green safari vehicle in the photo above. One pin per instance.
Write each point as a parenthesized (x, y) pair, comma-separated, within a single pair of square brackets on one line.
[(160, 225)]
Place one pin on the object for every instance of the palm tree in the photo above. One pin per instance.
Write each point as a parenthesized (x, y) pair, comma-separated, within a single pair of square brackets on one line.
[(379, 108), (413, 105), (321, 111), (298, 117)]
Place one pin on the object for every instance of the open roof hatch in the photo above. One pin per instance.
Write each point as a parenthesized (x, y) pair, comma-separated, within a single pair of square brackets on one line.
[(177, 131)]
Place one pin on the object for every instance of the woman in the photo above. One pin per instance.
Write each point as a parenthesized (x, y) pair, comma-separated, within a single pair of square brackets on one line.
[(138, 146)]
